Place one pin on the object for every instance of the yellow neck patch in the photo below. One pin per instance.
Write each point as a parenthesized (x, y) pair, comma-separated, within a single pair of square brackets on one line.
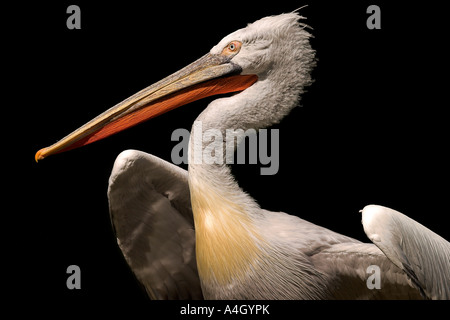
[(226, 238)]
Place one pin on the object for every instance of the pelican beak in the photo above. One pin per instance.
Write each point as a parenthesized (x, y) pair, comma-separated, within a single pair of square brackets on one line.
[(209, 75)]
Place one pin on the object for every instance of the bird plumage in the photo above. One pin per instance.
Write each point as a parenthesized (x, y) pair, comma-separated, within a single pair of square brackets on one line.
[(419, 252), (241, 250), (151, 215), (197, 234)]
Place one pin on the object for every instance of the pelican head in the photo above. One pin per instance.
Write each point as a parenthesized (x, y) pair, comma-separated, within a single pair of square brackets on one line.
[(272, 56)]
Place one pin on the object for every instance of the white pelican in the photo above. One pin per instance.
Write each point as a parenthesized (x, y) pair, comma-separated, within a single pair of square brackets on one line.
[(238, 250)]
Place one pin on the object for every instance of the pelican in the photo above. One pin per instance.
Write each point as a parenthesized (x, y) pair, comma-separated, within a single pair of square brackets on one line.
[(196, 234)]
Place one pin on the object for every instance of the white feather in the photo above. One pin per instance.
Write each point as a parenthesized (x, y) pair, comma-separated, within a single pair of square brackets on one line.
[(415, 249)]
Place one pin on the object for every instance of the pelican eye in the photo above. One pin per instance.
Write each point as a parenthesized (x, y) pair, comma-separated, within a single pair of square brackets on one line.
[(232, 48)]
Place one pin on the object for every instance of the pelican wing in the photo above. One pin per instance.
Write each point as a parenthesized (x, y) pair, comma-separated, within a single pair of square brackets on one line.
[(423, 255), (151, 213), (362, 271)]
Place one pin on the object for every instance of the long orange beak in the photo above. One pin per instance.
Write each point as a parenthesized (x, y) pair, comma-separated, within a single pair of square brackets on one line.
[(209, 75)]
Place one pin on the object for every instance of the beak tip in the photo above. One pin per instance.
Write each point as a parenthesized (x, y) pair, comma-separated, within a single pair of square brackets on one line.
[(40, 154)]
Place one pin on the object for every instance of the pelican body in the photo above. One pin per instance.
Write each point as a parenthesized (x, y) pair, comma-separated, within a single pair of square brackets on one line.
[(197, 234)]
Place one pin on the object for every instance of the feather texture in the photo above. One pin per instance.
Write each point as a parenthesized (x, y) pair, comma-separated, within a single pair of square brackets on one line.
[(241, 250), (422, 254)]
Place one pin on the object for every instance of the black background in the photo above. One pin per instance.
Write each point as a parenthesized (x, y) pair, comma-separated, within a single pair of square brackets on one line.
[(373, 128)]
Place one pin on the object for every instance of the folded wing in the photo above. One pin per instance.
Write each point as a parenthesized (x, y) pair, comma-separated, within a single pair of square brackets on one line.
[(151, 214), (422, 254)]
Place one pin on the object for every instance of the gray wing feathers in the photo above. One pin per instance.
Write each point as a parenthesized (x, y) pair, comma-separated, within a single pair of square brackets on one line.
[(423, 255), (151, 214), (349, 267)]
